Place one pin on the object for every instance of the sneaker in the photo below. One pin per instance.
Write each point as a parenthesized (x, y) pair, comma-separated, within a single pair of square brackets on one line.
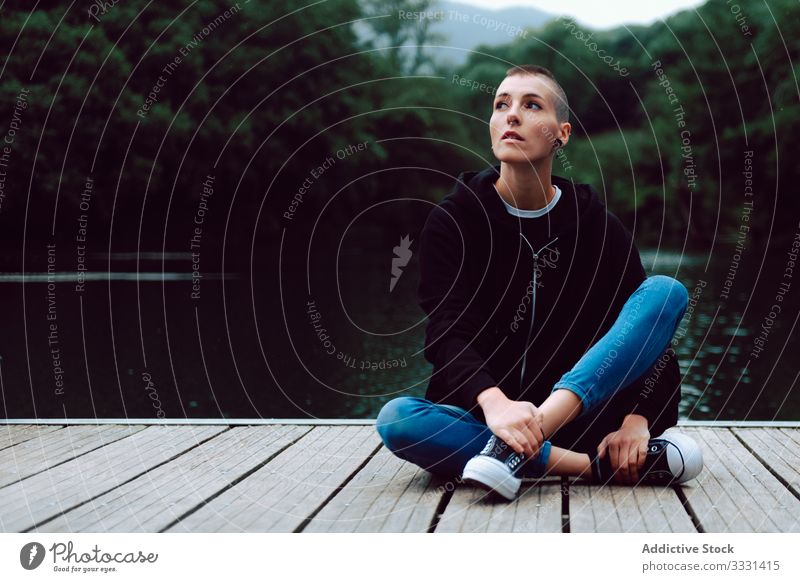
[(494, 468), (671, 458)]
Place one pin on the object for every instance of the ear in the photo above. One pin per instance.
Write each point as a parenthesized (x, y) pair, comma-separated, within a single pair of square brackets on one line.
[(564, 133)]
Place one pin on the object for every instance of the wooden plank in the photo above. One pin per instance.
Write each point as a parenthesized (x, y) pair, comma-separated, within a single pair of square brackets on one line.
[(195, 421), (37, 499), (735, 492), (291, 487), (121, 487), (740, 423), (158, 498), (52, 448), (12, 434), (619, 508), (779, 449), (335, 422), (536, 509), (387, 495), (793, 435)]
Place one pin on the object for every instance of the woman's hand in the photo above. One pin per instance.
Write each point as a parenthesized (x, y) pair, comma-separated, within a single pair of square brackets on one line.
[(628, 449), (518, 423)]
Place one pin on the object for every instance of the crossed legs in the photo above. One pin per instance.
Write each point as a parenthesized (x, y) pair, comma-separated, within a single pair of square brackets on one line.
[(442, 438)]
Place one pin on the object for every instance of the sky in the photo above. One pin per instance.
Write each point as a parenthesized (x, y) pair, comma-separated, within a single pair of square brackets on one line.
[(599, 14)]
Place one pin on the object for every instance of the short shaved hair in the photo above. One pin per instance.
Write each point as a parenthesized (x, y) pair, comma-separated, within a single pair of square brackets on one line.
[(562, 106)]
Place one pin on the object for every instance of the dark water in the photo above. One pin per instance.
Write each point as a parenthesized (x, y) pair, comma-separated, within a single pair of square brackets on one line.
[(247, 346), (732, 368)]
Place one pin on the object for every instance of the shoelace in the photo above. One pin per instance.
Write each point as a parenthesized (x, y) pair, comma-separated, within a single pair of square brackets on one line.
[(497, 446), (489, 446)]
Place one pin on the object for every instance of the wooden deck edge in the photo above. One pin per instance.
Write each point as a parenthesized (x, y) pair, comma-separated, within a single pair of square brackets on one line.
[(192, 421), (337, 421), (742, 423)]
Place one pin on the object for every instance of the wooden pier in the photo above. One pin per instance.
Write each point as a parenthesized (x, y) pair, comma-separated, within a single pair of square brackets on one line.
[(295, 476)]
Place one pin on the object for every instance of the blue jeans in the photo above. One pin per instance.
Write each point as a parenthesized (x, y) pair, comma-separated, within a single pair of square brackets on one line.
[(442, 438)]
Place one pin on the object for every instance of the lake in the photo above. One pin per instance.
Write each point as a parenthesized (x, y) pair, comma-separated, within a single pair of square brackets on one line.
[(328, 338)]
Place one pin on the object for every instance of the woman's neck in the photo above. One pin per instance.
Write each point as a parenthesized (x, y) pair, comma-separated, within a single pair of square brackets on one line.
[(526, 186)]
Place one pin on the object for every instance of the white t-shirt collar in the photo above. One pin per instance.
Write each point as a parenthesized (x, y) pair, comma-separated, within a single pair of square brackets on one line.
[(531, 213)]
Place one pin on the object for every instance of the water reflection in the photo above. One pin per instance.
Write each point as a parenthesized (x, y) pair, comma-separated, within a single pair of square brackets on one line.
[(252, 347)]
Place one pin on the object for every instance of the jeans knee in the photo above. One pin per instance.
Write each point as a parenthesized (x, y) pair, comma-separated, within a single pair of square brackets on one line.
[(673, 298), (392, 421)]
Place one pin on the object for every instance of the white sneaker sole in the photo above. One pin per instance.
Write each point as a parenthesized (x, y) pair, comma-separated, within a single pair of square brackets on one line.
[(491, 474)]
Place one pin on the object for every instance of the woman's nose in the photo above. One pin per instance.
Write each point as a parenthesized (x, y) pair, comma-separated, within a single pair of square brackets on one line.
[(512, 116)]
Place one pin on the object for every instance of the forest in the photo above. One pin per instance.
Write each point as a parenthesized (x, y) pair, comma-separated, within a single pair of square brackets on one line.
[(677, 124)]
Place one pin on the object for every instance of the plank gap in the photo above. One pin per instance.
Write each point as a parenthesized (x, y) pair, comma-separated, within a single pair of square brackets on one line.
[(336, 491), (31, 437), (767, 466), (688, 508), (76, 456), (100, 494), (442, 505), (233, 483)]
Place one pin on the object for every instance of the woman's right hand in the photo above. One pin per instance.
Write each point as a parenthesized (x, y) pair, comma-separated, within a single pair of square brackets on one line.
[(518, 423)]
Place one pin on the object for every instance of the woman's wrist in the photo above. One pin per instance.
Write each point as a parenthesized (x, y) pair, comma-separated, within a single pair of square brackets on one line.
[(490, 396), (635, 420)]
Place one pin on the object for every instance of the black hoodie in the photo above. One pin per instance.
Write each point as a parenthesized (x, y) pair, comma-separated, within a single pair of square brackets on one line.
[(492, 283)]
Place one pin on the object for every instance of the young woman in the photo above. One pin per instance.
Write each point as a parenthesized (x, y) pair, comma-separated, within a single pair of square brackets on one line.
[(535, 293)]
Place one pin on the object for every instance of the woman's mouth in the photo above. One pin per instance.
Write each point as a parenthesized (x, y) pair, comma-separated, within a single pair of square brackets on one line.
[(511, 135)]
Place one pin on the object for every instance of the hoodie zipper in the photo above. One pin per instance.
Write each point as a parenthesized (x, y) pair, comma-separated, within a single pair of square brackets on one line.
[(533, 305)]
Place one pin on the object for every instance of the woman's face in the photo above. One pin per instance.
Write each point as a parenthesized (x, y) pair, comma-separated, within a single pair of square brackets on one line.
[(525, 104)]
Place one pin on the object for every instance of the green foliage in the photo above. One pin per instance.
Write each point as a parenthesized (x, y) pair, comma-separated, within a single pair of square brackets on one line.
[(265, 95), (258, 98), (738, 90)]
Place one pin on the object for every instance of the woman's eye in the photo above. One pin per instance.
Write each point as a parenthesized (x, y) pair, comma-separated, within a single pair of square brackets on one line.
[(528, 105)]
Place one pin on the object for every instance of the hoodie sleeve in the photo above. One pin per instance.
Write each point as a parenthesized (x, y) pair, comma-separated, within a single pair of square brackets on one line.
[(652, 394), (448, 295)]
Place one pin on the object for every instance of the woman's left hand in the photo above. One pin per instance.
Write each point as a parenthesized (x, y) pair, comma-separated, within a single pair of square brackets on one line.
[(627, 448)]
